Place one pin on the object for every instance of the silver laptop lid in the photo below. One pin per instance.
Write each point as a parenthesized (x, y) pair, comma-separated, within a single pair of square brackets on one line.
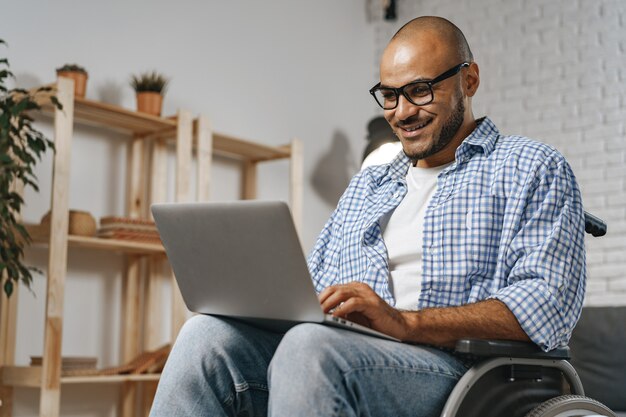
[(240, 259)]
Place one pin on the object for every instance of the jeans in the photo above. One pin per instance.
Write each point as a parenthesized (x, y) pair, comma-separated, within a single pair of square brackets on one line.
[(220, 367)]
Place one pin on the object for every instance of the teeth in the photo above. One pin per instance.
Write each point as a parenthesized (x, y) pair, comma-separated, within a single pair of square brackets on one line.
[(416, 127)]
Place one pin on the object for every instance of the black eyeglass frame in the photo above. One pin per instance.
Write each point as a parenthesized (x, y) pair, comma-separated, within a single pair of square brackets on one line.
[(402, 90)]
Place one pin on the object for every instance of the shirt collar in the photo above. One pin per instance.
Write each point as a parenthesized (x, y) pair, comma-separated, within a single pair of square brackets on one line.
[(399, 166), (484, 137)]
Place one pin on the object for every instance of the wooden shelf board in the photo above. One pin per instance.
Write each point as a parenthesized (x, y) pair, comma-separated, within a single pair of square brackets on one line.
[(104, 379), (233, 147), (21, 376), (112, 116), (118, 245), (30, 377)]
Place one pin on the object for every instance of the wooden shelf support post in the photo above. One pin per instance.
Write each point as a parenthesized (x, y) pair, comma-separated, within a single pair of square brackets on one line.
[(152, 308), (184, 153), (249, 180), (131, 289), (50, 397), (184, 150), (296, 173), (205, 158)]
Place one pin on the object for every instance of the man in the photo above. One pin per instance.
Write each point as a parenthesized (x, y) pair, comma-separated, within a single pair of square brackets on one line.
[(466, 234)]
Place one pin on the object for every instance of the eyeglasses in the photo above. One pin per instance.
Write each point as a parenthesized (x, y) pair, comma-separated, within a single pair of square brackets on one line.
[(419, 93)]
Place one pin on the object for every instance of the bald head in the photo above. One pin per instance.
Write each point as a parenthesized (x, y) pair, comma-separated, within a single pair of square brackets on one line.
[(446, 32), (424, 68)]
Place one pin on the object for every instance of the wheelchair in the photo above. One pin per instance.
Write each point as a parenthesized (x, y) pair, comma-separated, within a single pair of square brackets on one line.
[(518, 379)]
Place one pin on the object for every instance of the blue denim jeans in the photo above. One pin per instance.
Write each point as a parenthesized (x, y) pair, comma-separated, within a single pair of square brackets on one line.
[(220, 367)]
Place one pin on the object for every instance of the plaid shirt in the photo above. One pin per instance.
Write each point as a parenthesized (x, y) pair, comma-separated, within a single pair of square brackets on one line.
[(505, 222)]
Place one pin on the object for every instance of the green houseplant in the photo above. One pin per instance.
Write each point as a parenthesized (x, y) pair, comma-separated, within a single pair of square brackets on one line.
[(21, 146), (149, 88), (76, 73)]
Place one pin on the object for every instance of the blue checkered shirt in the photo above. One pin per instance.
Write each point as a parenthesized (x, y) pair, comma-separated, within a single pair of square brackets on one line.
[(505, 222)]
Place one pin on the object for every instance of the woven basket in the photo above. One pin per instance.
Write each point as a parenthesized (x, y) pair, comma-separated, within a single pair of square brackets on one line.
[(81, 223)]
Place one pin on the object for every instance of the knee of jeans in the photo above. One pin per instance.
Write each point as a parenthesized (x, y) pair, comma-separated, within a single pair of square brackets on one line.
[(307, 345), (196, 326), (201, 335)]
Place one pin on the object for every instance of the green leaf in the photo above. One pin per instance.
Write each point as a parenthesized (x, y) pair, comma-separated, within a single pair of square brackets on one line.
[(21, 106), (4, 119), (15, 196), (26, 275), (13, 270), (8, 287), (15, 205), (56, 102), (23, 232), (5, 73), (28, 182)]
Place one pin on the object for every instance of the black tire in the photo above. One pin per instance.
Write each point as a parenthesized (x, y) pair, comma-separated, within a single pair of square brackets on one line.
[(570, 406)]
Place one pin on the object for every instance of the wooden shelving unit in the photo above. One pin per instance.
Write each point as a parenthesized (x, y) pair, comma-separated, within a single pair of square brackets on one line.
[(30, 377), (150, 139)]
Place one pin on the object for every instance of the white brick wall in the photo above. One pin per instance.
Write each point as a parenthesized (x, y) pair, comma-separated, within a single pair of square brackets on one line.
[(554, 70)]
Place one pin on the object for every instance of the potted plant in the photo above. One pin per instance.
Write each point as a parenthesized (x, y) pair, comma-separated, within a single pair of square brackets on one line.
[(21, 146), (149, 88), (76, 73)]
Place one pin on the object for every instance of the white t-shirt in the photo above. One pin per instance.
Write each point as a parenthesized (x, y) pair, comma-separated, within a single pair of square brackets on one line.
[(402, 233)]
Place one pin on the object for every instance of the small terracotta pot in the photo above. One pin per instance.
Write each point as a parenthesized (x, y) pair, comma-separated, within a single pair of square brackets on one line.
[(80, 81), (149, 102)]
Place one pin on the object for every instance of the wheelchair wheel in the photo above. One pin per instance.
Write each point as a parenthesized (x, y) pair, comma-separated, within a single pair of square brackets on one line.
[(571, 406)]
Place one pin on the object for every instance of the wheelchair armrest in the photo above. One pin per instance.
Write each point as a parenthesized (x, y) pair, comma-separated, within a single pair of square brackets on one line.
[(594, 225), (508, 348)]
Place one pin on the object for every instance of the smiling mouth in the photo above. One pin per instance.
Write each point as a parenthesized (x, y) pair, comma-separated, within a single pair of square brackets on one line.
[(417, 127)]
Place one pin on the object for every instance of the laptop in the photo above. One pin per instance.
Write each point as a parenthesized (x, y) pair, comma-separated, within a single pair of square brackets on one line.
[(243, 260)]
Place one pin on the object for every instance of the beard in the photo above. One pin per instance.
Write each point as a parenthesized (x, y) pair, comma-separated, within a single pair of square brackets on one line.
[(450, 128)]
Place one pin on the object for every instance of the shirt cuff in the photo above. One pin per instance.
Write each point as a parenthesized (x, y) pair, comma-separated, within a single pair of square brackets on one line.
[(537, 312)]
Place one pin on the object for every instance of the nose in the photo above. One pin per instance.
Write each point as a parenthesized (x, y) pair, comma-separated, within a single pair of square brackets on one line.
[(405, 108)]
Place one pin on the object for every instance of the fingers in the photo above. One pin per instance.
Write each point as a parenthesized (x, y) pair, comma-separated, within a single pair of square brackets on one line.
[(346, 298), (332, 298), (358, 301), (352, 305), (326, 292)]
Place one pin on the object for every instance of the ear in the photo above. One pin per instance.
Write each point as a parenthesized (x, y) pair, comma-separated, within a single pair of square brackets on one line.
[(472, 79)]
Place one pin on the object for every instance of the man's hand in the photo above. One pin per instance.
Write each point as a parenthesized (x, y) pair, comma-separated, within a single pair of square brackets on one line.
[(488, 319), (357, 302)]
